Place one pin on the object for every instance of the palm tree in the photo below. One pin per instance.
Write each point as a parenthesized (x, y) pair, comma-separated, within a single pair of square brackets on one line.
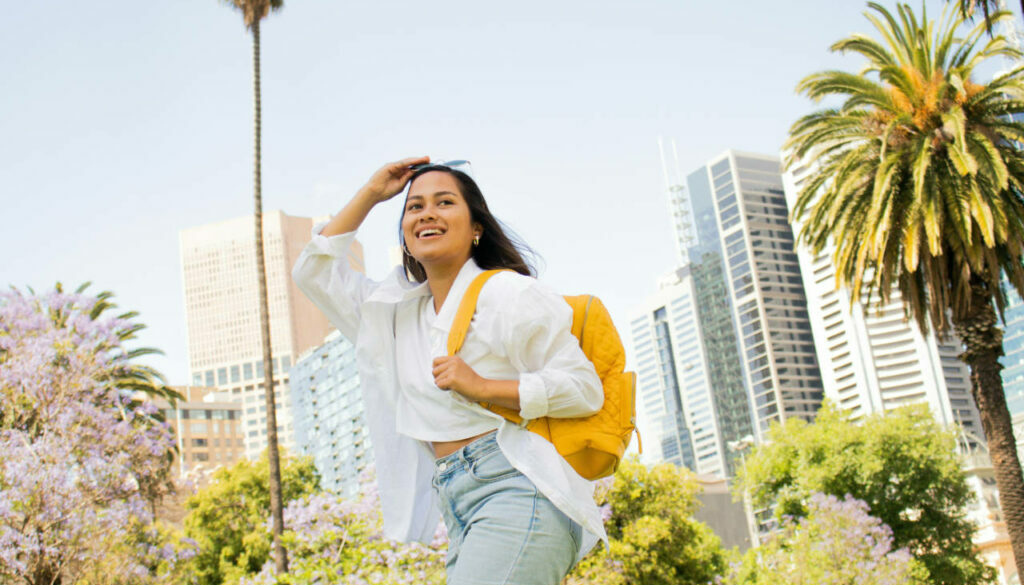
[(253, 11), (989, 8), (920, 186)]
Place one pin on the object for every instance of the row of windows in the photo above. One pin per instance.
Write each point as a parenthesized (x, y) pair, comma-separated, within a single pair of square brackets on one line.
[(239, 372), (199, 414)]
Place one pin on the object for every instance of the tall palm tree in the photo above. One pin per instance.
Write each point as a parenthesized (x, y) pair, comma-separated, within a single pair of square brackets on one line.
[(253, 11), (919, 186), (988, 8)]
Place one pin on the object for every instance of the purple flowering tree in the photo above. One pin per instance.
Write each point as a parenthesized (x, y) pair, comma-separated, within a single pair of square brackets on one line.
[(334, 540), (837, 543), (82, 463)]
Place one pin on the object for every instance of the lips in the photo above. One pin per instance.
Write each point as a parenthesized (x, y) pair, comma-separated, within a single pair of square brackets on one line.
[(429, 232)]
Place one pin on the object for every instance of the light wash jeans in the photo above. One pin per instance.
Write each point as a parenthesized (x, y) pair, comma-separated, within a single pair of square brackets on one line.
[(501, 529)]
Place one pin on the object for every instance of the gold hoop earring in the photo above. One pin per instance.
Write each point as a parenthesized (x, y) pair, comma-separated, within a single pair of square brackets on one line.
[(476, 240)]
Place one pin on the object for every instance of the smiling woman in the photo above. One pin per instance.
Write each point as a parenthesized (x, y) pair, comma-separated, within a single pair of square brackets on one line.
[(492, 248), (515, 510)]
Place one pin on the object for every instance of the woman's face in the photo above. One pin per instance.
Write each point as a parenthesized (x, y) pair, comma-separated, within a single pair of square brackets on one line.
[(437, 224)]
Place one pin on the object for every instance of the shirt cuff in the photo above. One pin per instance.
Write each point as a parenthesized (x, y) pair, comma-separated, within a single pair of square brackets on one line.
[(336, 246), (533, 397)]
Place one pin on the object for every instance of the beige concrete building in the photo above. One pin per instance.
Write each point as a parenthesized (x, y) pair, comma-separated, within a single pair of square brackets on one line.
[(218, 263), (207, 427)]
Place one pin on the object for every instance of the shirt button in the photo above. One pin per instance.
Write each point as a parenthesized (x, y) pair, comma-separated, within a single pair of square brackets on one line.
[(443, 466)]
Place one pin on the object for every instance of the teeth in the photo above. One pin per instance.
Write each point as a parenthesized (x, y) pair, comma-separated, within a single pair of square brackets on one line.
[(430, 233)]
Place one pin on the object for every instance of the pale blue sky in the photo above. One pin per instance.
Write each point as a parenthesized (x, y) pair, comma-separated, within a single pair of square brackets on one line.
[(123, 122)]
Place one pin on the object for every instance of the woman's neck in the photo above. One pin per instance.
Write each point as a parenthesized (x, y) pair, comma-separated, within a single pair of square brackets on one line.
[(440, 279)]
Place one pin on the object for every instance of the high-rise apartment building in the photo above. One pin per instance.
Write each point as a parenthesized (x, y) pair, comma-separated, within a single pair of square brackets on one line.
[(874, 360), (658, 345), (1013, 346), (222, 311), (328, 411)]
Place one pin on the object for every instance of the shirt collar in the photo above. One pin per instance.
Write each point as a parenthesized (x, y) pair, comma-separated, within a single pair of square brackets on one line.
[(463, 279), (397, 288)]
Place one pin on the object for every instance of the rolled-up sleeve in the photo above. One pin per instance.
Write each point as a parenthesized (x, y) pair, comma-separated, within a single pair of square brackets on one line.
[(555, 378), (323, 274)]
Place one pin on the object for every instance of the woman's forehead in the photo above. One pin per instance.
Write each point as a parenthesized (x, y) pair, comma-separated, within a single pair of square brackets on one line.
[(433, 182)]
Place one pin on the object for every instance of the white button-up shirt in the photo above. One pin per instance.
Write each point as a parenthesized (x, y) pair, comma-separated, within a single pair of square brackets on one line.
[(521, 330)]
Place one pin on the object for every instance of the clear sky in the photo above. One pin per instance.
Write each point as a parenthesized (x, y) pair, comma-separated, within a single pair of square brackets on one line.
[(123, 122)]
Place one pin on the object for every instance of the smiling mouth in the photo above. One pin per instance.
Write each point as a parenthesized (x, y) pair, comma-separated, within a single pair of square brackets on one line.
[(429, 233)]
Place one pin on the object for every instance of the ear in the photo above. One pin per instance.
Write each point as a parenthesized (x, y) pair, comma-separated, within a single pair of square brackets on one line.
[(478, 229)]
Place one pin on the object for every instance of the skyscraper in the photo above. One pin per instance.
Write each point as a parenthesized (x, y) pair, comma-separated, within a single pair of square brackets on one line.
[(765, 289), (874, 360), (222, 312), (327, 404), (699, 373)]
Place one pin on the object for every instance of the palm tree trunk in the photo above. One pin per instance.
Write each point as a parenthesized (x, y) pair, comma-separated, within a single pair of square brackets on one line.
[(983, 343), (276, 513)]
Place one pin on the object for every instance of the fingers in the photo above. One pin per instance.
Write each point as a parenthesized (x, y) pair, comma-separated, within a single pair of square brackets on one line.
[(416, 160)]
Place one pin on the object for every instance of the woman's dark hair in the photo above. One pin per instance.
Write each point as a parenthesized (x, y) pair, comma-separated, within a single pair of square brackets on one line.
[(498, 247)]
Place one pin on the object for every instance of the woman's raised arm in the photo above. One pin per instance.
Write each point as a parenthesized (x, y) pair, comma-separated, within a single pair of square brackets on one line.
[(388, 181)]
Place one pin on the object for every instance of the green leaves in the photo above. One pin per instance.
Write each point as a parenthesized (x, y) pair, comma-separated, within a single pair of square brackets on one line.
[(902, 464), (654, 538), (915, 178)]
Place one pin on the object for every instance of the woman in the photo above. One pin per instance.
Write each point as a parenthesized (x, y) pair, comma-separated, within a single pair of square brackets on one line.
[(516, 512)]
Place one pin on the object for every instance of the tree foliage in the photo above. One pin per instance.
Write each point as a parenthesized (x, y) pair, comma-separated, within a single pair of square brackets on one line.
[(654, 539), (901, 464), (334, 540), (82, 462), (228, 518), (837, 543)]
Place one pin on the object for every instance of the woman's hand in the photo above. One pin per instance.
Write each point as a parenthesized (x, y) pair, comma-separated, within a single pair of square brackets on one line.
[(390, 179), (451, 373)]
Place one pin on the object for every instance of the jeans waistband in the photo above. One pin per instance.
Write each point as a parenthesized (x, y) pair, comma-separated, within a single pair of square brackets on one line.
[(469, 453)]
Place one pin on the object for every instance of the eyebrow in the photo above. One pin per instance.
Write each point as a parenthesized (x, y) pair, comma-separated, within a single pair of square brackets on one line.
[(435, 194)]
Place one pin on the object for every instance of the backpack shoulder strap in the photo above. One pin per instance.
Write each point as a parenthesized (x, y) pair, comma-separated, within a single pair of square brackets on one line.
[(464, 315)]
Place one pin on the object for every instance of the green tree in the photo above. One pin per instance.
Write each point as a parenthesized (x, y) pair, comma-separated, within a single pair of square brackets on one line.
[(902, 464), (654, 539), (228, 517), (253, 11), (917, 181)]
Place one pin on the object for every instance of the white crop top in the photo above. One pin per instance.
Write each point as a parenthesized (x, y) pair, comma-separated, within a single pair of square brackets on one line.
[(426, 412)]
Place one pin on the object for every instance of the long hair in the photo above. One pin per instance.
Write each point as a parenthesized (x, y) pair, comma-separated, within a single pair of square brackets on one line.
[(499, 247)]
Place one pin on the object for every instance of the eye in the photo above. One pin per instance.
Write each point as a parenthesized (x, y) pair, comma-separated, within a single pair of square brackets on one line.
[(446, 202), (413, 207)]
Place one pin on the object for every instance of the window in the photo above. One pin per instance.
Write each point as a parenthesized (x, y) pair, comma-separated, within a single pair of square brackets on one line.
[(199, 442)]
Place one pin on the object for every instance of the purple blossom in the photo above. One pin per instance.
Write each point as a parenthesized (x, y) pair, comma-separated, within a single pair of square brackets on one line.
[(79, 460), (838, 542)]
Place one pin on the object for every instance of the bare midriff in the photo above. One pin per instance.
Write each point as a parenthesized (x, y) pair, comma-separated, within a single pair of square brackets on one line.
[(445, 448)]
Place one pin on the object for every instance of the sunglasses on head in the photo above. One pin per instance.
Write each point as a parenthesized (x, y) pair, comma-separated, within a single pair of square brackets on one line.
[(456, 165)]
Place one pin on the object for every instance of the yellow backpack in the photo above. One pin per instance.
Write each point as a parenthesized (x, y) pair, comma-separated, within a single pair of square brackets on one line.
[(593, 445)]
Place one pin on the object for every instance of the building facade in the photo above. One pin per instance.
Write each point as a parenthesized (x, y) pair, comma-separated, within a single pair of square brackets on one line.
[(207, 427), (328, 411), (874, 360), (766, 290), (222, 311), (725, 347)]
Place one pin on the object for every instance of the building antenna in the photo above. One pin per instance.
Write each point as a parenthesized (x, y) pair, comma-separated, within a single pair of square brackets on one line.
[(678, 203)]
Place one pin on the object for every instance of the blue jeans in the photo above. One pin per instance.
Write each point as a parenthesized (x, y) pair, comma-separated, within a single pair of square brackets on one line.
[(501, 529)]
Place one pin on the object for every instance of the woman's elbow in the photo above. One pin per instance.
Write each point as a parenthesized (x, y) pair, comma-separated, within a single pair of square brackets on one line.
[(592, 393)]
